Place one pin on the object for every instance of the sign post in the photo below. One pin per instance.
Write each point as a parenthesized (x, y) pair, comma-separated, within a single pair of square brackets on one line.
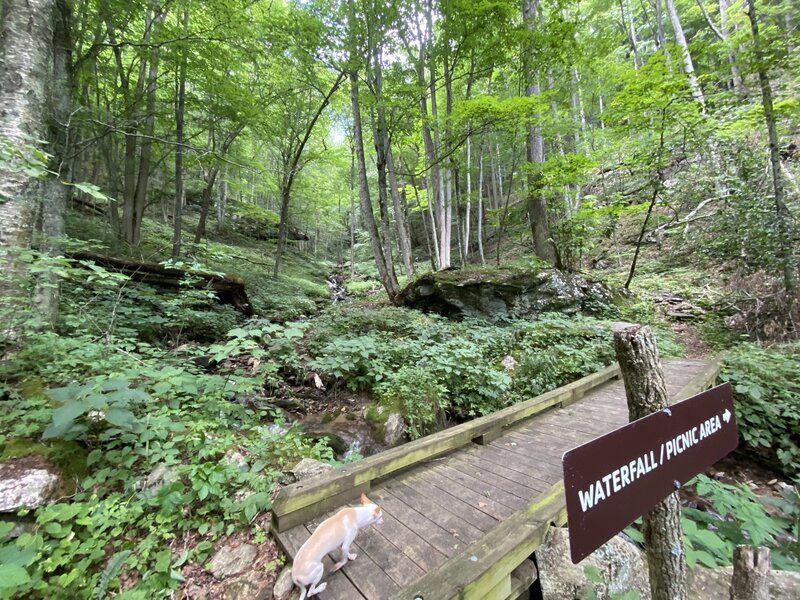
[(616, 478), (637, 469)]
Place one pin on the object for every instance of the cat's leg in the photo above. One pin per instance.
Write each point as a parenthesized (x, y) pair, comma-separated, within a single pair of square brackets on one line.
[(316, 587)]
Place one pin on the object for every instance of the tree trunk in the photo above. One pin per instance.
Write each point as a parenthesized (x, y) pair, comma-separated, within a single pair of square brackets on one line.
[(480, 204), (646, 392), (750, 579), (537, 203), (688, 65), (177, 211), (26, 59), (403, 236), (47, 291), (388, 278), (738, 84), (222, 200), (781, 211)]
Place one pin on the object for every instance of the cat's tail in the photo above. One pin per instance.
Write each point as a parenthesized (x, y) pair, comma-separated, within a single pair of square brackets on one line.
[(302, 592)]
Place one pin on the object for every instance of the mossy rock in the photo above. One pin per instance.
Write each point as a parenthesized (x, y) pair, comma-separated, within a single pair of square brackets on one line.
[(68, 456), (500, 294)]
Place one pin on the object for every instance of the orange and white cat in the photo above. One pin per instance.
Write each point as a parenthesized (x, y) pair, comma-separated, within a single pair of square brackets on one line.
[(337, 531)]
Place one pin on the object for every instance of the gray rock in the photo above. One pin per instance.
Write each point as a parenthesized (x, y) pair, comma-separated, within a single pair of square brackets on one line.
[(247, 587), (27, 482), (234, 457), (714, 584), (231, 561), (308, 468), (284, 584), (622, 566), (500, 294), (394, 431), (161, 474)]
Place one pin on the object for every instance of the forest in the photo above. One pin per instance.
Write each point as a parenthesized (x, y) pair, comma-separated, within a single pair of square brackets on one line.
[(237, 234)]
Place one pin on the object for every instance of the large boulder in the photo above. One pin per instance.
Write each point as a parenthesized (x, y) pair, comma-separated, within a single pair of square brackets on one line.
[(620, 564), (715, 584), (502, 293)]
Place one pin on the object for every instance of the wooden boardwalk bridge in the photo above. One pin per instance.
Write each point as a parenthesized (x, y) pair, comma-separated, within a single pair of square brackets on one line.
[(465, 507)]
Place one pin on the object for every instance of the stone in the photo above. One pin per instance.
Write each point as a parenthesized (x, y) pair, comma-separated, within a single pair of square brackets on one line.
[(234, 457), (621, 563), (714, 584), (394, 429), (229, 561), (308, 468), (161, 474), (247, 587), (283, 585), (502, 293), (27, 482), (509, 363)]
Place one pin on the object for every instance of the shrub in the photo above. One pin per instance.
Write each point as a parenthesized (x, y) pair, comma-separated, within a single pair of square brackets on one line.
[(421, 399), (767, 399)]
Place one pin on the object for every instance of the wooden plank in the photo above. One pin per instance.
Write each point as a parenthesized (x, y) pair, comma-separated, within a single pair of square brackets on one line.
[(490, 464), (508, 502), (438, 537), (488, 475), (702, 381), (400, 568), (310, 493), (475, 500), (472, 574), (489, 436), (282, 522), (455, 524), (502, 589), (416, 548)]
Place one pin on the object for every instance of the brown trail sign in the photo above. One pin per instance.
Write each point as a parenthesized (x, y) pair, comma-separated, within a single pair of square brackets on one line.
[(614, 479)]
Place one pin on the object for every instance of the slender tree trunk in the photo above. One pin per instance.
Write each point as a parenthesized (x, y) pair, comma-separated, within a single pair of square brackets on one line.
[(480, 204), (537, 203), (688, 65), (50, 227), (738, 85), (388, 278), (140, 198), (403, 236), (781, 211), (177, 211), (222, 200)]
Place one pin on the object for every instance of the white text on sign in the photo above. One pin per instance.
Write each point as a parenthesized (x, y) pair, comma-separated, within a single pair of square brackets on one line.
[(626, 474)]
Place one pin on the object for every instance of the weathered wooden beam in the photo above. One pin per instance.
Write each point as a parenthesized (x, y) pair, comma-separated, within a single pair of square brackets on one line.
[(702, 381), (305, 495), (487, 563)]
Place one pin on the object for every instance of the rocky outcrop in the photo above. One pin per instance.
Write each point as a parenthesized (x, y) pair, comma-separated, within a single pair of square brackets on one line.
[(616, 567), (714, 584), (504, 293), (27, 482), (230, 561)]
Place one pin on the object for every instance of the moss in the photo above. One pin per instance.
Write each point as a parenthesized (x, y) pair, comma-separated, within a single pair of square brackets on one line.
[(376, 416), (68, 456)]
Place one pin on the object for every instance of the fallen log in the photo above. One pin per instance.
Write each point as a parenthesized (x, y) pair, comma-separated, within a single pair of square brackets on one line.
[(229, 289)]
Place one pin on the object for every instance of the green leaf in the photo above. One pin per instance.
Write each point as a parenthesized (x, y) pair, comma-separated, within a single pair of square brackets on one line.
[(64, 418), (13, 576), (121, 417)]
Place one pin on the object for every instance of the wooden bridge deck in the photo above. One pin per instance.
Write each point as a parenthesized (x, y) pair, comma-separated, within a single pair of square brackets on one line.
[(464, 507)]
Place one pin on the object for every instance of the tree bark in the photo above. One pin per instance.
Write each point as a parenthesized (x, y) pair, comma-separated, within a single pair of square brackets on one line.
[(177, 211), (750, 579), (781, 211), (388, 278), (688, 65), (50, 226), (646, 392), (537, 203)]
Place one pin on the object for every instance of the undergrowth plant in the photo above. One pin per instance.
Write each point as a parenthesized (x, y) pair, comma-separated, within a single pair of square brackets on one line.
[(767, 399)]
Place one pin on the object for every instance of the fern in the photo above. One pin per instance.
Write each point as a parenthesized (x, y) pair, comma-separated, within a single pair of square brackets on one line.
[(112, 569)]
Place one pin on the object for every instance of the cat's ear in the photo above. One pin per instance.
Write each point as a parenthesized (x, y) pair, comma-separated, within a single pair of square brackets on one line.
[(365, 500)]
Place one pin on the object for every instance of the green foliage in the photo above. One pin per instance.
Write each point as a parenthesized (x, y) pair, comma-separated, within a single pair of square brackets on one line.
[(421, 399), (153, 409), (739, 517), (253, 220), (767, 399)]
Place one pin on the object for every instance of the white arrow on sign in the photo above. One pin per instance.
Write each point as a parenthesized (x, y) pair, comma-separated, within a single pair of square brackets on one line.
[(726, 416)]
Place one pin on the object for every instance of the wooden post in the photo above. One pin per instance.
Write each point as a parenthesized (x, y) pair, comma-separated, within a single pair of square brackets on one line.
[(646, 391), (750, 573)]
